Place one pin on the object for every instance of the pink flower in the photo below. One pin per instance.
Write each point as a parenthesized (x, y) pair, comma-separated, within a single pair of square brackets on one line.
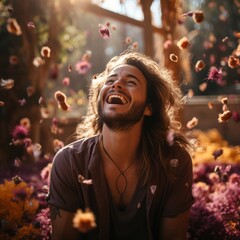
[(104, 31), (236, 116), (82, 67), (216, 75), (20, 132)]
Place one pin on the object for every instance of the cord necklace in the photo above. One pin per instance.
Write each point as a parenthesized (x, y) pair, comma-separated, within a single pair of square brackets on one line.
[(122, 173)]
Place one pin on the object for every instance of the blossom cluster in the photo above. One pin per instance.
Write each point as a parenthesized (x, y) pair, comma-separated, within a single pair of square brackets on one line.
[(215, 213), (17, 211)]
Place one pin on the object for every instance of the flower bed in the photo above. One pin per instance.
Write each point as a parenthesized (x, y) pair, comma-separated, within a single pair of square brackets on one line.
[(24, 213)]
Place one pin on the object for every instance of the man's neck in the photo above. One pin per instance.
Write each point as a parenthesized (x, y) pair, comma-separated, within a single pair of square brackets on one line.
[(122, 145)]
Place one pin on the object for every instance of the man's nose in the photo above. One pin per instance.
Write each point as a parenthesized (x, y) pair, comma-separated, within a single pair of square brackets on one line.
[(117, 84)]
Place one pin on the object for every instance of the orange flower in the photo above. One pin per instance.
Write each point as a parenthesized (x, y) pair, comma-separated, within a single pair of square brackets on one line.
[(84, 221)]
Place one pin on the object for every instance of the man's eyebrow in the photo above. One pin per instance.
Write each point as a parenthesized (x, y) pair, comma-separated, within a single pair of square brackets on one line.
[(133, 76), (128, 75)]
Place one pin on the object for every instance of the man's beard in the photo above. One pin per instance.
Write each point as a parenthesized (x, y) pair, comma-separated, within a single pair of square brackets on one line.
[(122, 121)]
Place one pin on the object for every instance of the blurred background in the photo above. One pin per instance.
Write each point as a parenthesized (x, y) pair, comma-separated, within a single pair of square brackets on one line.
[(80, 36), (57, 46)]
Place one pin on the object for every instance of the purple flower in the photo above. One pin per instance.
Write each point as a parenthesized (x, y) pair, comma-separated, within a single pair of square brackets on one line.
[(104, 31), (82, 67), (216, 75), (236, 116), (20, 132)]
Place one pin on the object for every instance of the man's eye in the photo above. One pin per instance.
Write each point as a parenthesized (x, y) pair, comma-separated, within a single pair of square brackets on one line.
[(109, 81), (130, 82)]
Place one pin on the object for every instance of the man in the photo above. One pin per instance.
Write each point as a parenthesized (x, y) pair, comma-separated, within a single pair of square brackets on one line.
[(132, 151)]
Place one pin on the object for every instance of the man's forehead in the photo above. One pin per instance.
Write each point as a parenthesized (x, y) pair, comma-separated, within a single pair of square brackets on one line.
[(127, 68)]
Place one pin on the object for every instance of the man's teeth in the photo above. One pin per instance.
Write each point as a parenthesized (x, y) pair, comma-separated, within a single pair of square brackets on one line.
[(116, 98)]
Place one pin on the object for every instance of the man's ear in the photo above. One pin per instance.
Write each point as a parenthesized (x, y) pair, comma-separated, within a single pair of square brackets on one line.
[(148, 110)]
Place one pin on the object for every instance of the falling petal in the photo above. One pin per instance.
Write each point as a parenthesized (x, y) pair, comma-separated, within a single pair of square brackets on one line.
[(128, 40), (17, 162), (45, 52), (233, 62), (82, 67), (167, 44), (31, 25), (210, 105), (38, 61), (199, 65), (236, 116), (87, 56), (217, 153), (6, 84), (224, 100), (203, 86), (44, 112), (13, 27), (135, 45), (13, 60), (190, 93), (225, 116), (61, 98), (30, 91), (198, 16), (215, 74), (66, 81), (25, 122), (225, 39), (183, 43), (104, 31), (69, 67), (22, 102), (40, 100), (192, 123), (173, 57)]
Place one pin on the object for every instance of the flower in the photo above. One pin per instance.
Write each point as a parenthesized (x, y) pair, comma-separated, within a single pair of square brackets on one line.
[(20, 132), (84, 221), (104, 31), (18, 208), (216, 75), (215, 212), (82, 67)]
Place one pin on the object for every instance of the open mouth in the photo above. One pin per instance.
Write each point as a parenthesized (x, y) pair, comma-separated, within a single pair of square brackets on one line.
[(116, 99)]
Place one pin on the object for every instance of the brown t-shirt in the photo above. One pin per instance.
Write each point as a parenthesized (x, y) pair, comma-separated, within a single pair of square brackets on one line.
[(160, 197)]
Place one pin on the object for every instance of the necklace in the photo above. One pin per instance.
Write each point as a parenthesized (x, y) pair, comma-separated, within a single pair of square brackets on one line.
[(121, 174)]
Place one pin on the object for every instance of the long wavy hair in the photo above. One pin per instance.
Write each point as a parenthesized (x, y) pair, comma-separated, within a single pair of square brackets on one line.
[(165, 97)]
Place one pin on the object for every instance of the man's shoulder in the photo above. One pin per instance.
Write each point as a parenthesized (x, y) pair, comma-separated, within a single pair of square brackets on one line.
[(78, 147), (80, 144)]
